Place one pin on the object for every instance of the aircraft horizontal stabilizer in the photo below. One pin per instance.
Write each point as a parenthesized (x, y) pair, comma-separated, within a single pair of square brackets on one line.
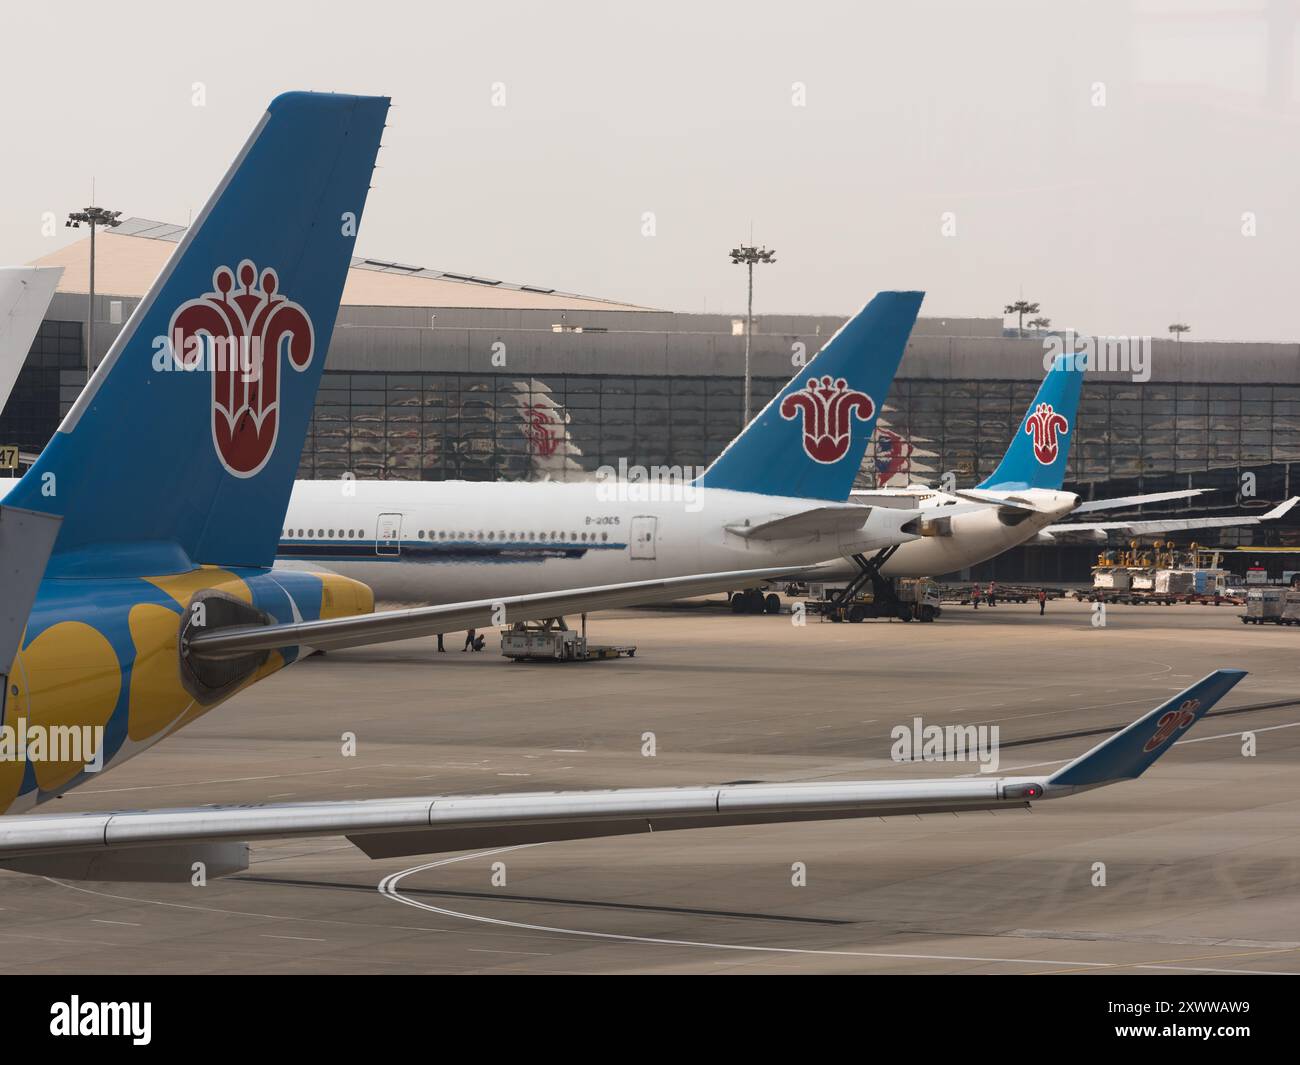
[(150, 843), (827, 521), (998, 499), (332, 634)]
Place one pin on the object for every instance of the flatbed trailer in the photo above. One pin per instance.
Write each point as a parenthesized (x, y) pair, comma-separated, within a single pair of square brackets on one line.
[(1006, 593), (1128, 597), (1145, 598)]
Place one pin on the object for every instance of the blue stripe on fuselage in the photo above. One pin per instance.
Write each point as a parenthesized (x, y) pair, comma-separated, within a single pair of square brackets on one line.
[(439, 553)]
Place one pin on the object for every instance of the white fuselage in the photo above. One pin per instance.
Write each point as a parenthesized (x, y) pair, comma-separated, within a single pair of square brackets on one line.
[(453, 541), (965, 539)]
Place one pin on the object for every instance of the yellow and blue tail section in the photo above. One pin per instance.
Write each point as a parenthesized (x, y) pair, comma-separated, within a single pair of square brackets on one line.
[(809, 441), (183, 447), (1040, 447)]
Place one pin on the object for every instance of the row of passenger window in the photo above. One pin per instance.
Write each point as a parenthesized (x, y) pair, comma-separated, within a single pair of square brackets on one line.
[(431, 534)]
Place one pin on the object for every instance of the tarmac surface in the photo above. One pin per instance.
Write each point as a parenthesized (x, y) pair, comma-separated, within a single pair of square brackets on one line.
[(1201, 856)]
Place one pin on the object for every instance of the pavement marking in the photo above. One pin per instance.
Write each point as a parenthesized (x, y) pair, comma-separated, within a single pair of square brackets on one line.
[(1234, 735), (56, 939), (1144, 937), (388, 888), (218, 911)]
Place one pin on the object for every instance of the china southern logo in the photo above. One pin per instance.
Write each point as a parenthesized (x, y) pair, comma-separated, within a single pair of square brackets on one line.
[(827, 409), (1171, 722), (240, 337), (542, 430), (1044, 424)]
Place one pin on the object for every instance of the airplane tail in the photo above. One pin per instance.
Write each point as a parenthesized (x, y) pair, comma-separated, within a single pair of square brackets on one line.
[(809, 441), (183, 446), (1041, 445)]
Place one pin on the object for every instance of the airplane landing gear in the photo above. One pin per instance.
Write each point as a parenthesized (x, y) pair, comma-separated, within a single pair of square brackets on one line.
[(852, 603), (882, 588), (755, 601)]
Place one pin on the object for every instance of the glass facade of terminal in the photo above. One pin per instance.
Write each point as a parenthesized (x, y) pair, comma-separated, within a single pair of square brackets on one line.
[(49, 382), (493, 427), (1128, 438)]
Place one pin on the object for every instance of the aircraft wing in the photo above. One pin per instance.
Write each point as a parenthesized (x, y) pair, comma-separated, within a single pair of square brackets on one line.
[(331, 634), (1116, 502), (103, 845), (1163, 525)]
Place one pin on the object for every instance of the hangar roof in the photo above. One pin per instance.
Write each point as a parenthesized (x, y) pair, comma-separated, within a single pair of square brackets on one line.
[(128, 258)]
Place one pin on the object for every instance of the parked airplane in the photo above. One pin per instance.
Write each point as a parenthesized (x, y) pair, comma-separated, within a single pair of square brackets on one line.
[(775, 497), (1021, 501), (137, 591)]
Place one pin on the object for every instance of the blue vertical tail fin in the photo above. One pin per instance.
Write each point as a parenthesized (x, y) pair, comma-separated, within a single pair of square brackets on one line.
[(1040, 446), (809, 441), (183, 447)]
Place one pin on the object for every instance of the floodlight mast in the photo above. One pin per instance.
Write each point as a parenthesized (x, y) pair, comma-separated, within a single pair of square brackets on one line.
[(747, 255), (93, 217)]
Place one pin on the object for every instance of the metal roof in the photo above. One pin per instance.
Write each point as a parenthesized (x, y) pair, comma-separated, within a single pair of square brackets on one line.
[(128, 258)]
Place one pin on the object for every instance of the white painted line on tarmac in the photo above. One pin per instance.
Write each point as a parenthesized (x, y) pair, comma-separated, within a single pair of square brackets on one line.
[(388, 888)]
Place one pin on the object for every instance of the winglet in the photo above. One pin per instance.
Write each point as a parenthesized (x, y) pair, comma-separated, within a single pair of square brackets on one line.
[(1128, 753), (1280, 509)]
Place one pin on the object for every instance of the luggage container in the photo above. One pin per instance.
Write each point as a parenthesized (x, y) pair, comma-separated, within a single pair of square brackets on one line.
[(1263, 605)]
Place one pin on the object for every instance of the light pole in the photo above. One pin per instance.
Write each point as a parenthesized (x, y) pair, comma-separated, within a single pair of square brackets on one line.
[(749, 255), (93, 217)]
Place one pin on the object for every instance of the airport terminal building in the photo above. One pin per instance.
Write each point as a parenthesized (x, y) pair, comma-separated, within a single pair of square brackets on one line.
[(436, 375)]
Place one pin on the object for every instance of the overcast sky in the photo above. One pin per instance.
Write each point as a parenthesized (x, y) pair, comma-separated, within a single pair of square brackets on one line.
[(1097, 157)]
